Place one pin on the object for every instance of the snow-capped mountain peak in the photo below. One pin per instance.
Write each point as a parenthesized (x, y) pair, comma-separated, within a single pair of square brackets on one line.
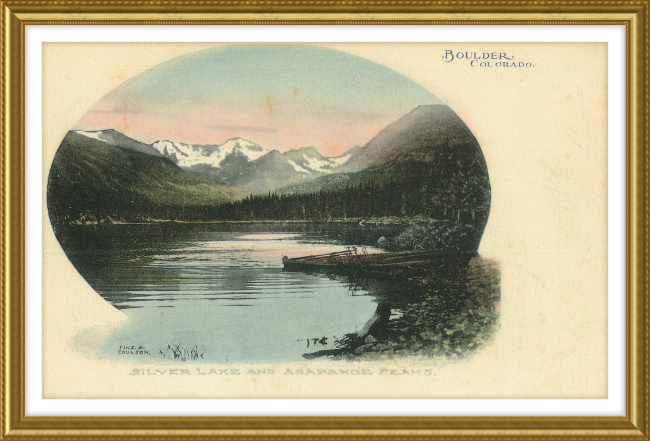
[(236, 162), (188, 155), (340, 160), (115, 138), (250, 149), (99, 135), (243, 163), (317, 164), (309, 159), (170, 148), (297, 168)]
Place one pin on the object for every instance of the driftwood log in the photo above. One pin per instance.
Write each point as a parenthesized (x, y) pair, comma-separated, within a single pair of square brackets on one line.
[(376, 327)]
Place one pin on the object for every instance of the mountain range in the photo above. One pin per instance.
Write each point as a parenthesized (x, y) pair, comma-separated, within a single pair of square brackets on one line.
[(242, 163), (425, 163), (237, 162)]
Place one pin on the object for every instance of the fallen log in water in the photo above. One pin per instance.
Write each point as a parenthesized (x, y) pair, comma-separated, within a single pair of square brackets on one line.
[(377, 263), (374, 327)]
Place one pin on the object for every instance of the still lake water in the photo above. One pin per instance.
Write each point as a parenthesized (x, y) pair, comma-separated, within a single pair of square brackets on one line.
[(217, 296)]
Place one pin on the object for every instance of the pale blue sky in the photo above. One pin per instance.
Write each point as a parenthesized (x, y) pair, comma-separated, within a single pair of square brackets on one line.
[(280, 96)]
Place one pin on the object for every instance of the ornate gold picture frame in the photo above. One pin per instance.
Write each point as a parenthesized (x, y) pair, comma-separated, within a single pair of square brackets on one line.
[(16, 15)]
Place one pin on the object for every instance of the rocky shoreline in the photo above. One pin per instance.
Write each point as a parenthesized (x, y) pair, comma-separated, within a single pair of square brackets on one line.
[(446, 317)]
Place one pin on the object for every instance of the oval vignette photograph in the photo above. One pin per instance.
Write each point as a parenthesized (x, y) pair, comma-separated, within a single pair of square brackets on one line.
[(270, 203), (325, 220)]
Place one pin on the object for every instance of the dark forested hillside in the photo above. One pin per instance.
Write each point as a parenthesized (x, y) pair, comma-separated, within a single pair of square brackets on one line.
[(393, 198), (93, 181)]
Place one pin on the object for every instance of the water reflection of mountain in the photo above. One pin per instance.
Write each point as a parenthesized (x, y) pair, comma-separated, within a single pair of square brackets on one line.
[(445, 313)]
